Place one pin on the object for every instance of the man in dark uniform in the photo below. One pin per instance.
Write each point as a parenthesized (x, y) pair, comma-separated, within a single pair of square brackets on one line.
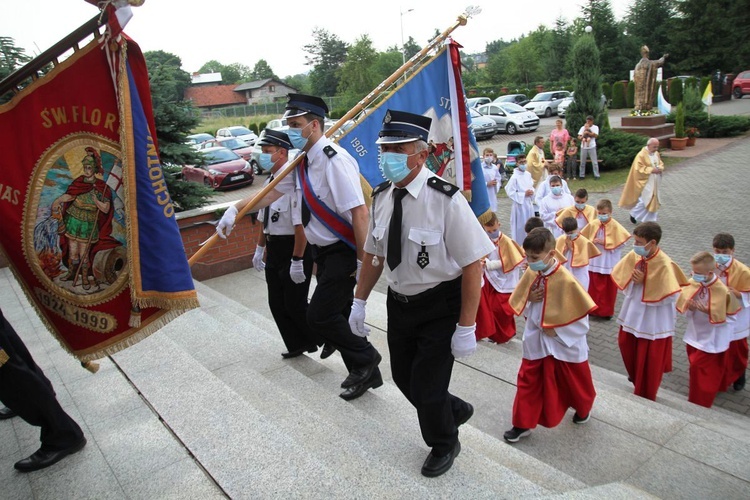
[(335, 219), (288, 261), (28, 393), (432, 244)]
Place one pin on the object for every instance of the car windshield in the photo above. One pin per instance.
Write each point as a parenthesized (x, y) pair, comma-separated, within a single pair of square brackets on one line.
[(511, 108), (545, 96), (240, 131), (474, 113), (220, 156), (198, 138), (233, 144)]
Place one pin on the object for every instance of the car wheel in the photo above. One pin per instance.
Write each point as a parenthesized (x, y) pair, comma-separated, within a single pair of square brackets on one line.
[(511, 129), (547, 112), (255, 167), (737, 93)]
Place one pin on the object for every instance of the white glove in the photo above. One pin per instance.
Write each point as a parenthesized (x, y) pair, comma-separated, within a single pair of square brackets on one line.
[(297, 272), (492, 265), (359, 269), (227, 222), (464, 341), (357, 319), (258, 263)]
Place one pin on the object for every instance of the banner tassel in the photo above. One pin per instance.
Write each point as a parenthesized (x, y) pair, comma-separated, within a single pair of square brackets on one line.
[(91, 366), (135, 317)]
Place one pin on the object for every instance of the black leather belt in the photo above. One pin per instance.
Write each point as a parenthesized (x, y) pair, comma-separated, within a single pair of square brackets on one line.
[(279, 237), (408, 299)]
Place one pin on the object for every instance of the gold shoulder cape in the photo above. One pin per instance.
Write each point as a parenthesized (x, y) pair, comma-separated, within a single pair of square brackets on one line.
[(614, 234), (589, 212), (721, 302), (565, 301), (663, 276), (738, 276), (511, 253), (637, 179), (583, 250)]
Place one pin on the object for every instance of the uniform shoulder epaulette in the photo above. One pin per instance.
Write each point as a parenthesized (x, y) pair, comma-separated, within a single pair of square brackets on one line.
[(329, 151), (380, 188), (444, 187)]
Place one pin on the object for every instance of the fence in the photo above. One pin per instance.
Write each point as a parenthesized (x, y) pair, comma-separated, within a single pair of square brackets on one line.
[(264, 109)]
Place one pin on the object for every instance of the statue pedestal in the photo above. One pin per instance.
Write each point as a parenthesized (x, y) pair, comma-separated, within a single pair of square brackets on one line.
[(649, 126)]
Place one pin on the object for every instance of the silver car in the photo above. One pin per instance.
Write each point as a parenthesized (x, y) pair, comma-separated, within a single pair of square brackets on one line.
[(545, 103), (510, 118), (562, 108), (482, 126)]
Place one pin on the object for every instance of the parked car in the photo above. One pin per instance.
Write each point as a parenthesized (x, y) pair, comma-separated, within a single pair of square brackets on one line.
[(563, 106), (239, 146), (196, 140), (477, 101), (545, 103), (239, 132), (520, 99), (741, 85), (223, 169), (482, 126), (277, 124), (510, 118)]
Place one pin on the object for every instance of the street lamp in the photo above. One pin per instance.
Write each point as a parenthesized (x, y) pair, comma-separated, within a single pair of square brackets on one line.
[(403, 50)]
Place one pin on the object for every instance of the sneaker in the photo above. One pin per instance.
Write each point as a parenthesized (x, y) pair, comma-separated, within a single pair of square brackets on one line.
[(515, 434), (581, 420), (739, 384)]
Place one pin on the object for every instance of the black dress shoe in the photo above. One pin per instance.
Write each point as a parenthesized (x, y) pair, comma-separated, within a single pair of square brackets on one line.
[(359, 375), (632, 219), (41, 459), (298, 352), (465, 415), (355, 391), (738, 385), (436, 466), (328, 349), (6, 413)]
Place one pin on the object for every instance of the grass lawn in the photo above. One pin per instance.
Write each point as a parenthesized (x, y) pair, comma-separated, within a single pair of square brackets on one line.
[(609, 179)]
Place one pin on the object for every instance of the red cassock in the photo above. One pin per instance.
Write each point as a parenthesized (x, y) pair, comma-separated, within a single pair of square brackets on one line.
[(706, 375), (604, 292), (646, 362), (547, 387), (736, 361), (495, 318)]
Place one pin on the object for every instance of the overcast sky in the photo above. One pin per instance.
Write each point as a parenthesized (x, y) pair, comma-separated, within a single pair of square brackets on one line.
[(244, 31)]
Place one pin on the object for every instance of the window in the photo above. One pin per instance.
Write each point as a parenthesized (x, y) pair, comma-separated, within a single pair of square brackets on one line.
[(272, 88)]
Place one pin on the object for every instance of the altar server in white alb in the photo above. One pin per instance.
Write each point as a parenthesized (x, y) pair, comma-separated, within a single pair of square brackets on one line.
[(555, 201), (520, 190), (432, 245)]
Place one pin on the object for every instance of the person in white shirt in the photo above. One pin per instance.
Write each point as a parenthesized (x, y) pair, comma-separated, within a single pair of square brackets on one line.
[(543, 189), (587, 136), (520, 190), (493, 179), (554, 202)]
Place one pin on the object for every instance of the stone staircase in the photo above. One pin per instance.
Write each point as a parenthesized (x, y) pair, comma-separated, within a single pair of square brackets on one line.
[(263, 427)]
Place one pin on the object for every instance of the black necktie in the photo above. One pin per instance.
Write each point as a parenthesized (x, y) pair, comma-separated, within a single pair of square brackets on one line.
[(304, 208), (394, 230), (266, 211)]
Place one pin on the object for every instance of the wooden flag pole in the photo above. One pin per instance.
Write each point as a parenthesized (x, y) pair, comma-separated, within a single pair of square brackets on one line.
[(361, 105)]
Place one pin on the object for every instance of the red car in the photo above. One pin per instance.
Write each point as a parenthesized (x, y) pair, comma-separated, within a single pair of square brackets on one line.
[(741, 85), (237, 145), (223, 169)]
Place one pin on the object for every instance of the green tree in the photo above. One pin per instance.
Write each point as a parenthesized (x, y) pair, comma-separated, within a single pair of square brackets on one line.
[(650, 22), (300, 81), (326, 55), (411, 48), (497, 65), (174, 119), (386, 64), (559, 48), (356, 77), (262, 70), (587, 84), (523, 65), (11, 58), (614, 62)]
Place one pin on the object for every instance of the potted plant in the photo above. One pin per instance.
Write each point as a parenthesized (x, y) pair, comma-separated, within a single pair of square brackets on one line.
[(692, 133), (679, 141)]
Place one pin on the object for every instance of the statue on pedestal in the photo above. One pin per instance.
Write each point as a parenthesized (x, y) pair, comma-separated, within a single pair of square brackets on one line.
[(645, 80)]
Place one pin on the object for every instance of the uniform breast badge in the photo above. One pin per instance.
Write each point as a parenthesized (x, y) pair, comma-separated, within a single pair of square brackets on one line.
[(275, 217), (423, 258)]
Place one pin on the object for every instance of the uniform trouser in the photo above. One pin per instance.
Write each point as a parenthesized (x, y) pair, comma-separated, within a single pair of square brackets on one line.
[(419, 340), (328, 312), (287, 299), (591, 152), (26, 390)]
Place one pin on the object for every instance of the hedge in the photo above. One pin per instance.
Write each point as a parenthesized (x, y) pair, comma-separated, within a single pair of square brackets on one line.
[(717, 126), (630, 96), (675, 92), (607, 91), (618, 95), (617, 149)]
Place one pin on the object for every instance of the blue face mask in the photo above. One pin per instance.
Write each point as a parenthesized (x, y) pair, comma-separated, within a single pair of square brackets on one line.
[(603, 217), (700, 278), (556, 190), (265, 161), (640, 250), (393, 166), (295, 135), (522, 167), (573, 235), (494, 234), (539, 265), (580, 206), (722, 259)]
